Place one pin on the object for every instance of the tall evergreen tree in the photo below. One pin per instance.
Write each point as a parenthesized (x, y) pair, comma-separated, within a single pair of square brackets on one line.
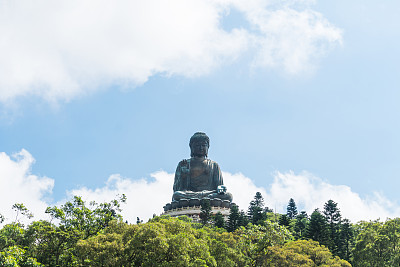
[(346, 242), (300, 225), (243, 219), (259, 200), (255, 211), (205, 211), (332, 212), (317, 228), (291, 210), (233, 219), (284, 220), (219, 220), (333, 218)]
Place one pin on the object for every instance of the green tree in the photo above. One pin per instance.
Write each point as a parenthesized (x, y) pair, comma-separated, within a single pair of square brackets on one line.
[(87, 219), (56, 245), (95, 235), (377, 243), (317, 228), (284, 220), (243, 219), (391, 228), (51, 245), (302, 253), (15, 256), (291, 210), (255, 211), (346, 242), (11, 235), (256, 240), (109, 247), (205, 211), (233, 219), (223, 248), (21, 209), (333, 218), (165, 241), (219, 220), (300, 225)]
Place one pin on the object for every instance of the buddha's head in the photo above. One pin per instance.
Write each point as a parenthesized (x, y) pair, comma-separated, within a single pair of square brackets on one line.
[(199, 144)]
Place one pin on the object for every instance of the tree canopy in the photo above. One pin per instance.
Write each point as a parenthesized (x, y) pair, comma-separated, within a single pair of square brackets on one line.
[(95, 234)]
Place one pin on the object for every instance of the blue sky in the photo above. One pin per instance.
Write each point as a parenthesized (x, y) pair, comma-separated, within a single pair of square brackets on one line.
[(291, 93)]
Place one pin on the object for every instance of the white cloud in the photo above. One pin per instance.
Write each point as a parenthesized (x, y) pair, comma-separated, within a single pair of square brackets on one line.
[(310, 192), (147, 196), (61, 49), (242, 188), (293, 40), (18, 185)]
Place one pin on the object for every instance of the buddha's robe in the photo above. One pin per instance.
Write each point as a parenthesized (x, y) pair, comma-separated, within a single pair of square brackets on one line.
[(198, 178)]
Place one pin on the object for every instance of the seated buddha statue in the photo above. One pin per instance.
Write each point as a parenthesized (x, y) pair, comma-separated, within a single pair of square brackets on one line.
[(199, 177)]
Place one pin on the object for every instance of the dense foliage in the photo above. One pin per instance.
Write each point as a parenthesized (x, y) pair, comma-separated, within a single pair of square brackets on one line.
[(96, 235)]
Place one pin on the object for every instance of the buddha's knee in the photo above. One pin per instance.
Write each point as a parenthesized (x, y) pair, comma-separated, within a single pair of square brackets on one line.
[(178, 195), (226, 196)]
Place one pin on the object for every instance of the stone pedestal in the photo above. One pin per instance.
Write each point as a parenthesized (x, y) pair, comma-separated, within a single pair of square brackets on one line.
[(196, 202), (192, 208), (194, 212)]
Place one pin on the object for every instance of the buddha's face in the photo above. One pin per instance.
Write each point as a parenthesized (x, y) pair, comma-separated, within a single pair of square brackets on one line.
[(199, 149)]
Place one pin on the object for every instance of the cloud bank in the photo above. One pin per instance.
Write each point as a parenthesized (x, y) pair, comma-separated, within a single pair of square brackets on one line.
[(311, 192), (59, 50), (147, 196)]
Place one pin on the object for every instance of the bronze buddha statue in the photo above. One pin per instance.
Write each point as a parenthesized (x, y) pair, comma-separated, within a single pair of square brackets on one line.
[(199, 177)]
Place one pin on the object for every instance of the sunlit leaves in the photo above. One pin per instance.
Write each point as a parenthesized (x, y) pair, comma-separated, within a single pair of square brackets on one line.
[(15, 256), (377, 243), (81, 234)]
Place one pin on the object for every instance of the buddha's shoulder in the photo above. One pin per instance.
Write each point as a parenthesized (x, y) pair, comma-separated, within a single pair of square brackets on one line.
[(184, 162), (211, 162)]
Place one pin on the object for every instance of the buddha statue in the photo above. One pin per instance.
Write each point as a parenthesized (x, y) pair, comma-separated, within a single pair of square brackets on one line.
[(199, 177)]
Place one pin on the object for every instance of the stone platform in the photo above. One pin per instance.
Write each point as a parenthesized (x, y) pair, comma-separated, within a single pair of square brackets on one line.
[(192, 207), (195, 202), (194, 212)]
